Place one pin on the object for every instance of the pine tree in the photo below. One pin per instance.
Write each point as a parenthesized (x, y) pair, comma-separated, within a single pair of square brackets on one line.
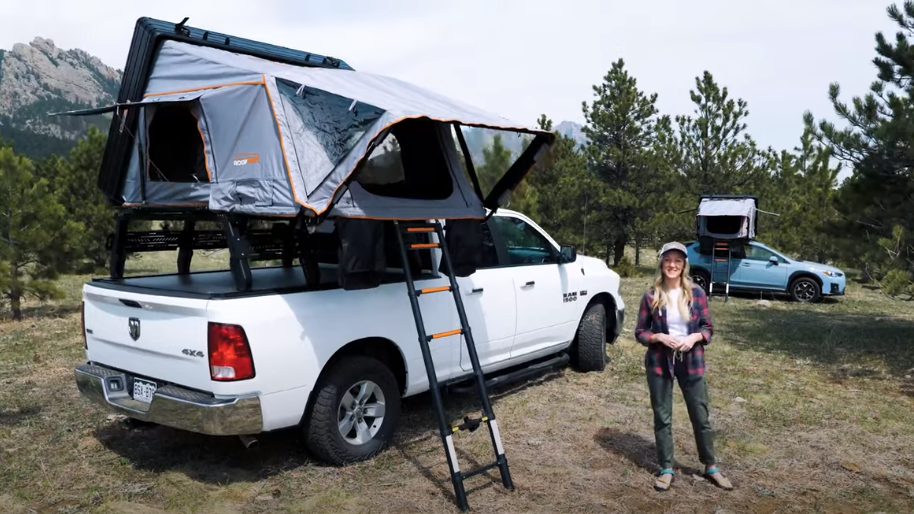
[(620, 129), (74, 182), (713, 152), (877, 221), (35, 235)]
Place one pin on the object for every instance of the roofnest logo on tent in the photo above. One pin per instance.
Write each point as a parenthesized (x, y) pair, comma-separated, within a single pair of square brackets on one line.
[(243, 159)]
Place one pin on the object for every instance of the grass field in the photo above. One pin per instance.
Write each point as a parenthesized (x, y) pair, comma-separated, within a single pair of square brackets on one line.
[(813, 408)]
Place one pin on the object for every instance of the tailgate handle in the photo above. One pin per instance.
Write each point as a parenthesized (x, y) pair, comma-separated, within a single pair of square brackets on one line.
[(131, 303)]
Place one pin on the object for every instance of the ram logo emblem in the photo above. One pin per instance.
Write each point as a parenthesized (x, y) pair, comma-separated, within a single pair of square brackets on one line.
[(133, 326)]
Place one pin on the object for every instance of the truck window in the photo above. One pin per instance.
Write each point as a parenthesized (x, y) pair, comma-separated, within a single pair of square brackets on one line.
[(523, 243)]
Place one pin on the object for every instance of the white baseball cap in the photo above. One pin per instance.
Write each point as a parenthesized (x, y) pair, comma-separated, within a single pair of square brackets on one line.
[(674, 246)]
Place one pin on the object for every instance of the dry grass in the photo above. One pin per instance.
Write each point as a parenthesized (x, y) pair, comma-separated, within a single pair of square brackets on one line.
[(812, 406)]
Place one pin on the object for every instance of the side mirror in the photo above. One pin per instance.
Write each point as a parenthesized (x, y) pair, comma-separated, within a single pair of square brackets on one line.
[(569, 254), (773, 260)]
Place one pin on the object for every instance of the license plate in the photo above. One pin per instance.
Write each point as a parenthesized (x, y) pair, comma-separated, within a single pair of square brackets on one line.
[(143, 390)]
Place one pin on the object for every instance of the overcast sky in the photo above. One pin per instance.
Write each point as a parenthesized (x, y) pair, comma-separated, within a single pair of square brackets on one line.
[(524, 58)]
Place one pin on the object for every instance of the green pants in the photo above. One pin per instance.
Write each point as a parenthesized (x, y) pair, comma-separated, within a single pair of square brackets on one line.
[(695, 392)]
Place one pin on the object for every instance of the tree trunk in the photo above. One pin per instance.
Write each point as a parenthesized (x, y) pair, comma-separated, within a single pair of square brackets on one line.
[(15, 306), (15, 293), (618, 250), (637, 251), (608, 251)]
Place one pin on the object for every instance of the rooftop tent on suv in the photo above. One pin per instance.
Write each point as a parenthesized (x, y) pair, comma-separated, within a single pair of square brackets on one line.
[(727, 217)]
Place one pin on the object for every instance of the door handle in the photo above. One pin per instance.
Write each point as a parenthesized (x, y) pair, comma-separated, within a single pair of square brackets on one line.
[(476, 290), (530, 284)]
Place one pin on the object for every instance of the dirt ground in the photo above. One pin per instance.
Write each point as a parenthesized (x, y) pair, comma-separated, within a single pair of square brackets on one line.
[(812, 407)]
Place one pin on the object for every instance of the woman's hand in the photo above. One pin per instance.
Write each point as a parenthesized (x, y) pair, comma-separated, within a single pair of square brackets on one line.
[(690, 341), (666, 340)]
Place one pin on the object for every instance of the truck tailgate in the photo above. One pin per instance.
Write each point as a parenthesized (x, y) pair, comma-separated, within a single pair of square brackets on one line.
[(157, 337)]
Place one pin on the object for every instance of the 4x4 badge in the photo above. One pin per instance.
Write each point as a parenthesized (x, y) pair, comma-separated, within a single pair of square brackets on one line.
[(134, 326)]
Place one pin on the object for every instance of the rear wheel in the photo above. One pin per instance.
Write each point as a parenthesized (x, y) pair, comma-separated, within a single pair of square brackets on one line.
[(355, 413), (805, 289), (589, 348)]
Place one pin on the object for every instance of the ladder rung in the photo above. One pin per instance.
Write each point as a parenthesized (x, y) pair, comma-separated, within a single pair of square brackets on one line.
[(478, 471), (446, 334), (469, 424), (435, 290), (418, 246), (420, 229)]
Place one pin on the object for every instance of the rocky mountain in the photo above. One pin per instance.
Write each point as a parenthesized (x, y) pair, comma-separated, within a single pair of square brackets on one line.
[(39, 78), (573, 130)]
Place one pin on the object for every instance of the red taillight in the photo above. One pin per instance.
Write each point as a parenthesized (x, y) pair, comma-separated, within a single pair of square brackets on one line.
[(82, 323), (229, 353)]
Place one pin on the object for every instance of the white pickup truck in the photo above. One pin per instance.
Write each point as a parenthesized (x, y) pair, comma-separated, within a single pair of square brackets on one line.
[(191, 352)]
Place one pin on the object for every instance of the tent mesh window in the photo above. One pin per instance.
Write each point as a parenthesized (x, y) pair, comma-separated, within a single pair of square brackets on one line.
[(176, 151), (409, 163), (724, 224)]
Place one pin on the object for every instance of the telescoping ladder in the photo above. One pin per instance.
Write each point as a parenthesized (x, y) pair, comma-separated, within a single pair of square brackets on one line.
[(447, 431), (722, 257)]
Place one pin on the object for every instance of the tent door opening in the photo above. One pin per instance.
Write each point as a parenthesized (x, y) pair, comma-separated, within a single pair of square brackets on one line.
[(175, 148)]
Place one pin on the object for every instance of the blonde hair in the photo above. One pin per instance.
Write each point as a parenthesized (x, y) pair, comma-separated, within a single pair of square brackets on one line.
[(662, 297)]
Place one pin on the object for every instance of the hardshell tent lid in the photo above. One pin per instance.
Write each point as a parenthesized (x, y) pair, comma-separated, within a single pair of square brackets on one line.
[(238, 133), (727, 216)]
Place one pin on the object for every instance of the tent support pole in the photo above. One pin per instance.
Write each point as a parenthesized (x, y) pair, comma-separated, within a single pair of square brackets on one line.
[(186, 247), (471, 170), (118, 244), (239, 250)]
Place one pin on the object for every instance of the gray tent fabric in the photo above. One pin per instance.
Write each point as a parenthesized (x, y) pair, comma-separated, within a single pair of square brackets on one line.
[(727, 218), (275, 139), (726, 207)]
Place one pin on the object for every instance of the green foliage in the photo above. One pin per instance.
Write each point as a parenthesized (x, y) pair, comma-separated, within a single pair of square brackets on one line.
[(802, 192), (561, 184), (497, 158), (36, 235), (625, 268), (74, 183), (33, 145)]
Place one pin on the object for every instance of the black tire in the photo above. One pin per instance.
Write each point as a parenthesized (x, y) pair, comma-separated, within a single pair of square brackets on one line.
[(322, 432), (589, 347), (702, 279), (805, 290)]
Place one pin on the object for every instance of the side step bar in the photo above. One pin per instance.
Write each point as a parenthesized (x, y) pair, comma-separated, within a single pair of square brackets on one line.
[(556, 362)]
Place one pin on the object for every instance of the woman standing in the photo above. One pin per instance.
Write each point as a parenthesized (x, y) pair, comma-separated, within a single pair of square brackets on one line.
[(675, 325)]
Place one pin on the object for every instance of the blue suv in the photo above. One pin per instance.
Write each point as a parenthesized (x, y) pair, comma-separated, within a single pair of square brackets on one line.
[(756, 267)]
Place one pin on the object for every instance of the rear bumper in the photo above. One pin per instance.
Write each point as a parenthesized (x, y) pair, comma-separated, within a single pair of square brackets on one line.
[(171, 405)]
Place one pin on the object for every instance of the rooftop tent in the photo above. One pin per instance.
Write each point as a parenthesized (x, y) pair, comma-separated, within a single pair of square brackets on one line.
[(727, 217), (237, 133)]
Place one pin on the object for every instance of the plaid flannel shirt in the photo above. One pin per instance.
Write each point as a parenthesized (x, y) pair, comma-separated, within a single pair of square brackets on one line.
[(659, 357)]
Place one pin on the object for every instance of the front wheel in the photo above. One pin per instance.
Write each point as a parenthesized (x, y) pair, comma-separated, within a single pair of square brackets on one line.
[(589, 348), (702, 279), (805, 289), (356, 410)]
